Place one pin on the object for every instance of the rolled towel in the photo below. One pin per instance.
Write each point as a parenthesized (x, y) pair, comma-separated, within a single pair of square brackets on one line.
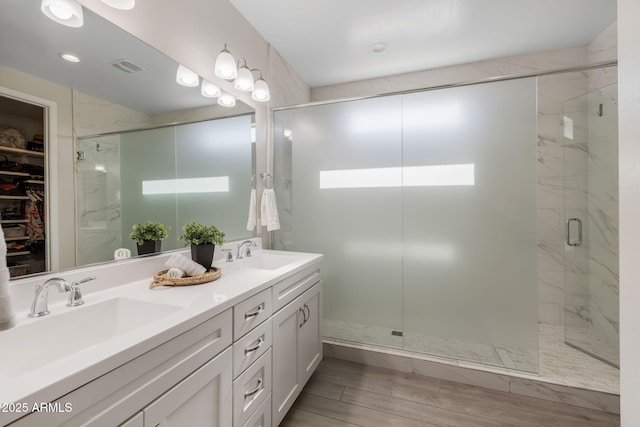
[(175, 273), (7, 314), (190, 267), (121, 253)]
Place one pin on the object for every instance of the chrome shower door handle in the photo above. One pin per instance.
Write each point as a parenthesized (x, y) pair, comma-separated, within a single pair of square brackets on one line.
[(577, 242)]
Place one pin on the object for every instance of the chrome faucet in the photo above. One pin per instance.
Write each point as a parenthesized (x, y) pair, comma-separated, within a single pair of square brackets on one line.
[(241, 247), (39, 306)]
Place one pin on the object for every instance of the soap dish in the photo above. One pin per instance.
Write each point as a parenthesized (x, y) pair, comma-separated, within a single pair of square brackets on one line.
[(161, 278)]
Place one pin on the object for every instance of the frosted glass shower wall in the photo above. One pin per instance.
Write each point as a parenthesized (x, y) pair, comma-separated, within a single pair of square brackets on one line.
[(213, 161), (424, 205)]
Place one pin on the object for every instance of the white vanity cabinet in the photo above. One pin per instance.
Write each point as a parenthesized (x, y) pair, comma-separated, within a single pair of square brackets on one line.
[(297, 345), (172, 367), (241, 367)]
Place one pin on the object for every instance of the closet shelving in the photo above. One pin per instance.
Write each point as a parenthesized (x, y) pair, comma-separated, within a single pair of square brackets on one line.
[(25, 251)]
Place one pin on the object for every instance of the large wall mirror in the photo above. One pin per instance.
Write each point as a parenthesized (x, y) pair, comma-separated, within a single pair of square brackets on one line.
[(122, 121)]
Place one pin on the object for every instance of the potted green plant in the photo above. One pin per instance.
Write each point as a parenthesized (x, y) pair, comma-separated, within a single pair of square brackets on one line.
[(203, 240), (149, 236)]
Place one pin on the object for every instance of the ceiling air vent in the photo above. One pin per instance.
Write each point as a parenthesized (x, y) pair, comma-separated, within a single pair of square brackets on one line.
[(127, 66)]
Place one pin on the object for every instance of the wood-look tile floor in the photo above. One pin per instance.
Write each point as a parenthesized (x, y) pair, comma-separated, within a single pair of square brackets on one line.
[(348, 394)]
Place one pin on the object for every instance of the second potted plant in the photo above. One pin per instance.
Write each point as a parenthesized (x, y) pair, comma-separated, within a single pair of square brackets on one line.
[(203, 240), (149, 236)]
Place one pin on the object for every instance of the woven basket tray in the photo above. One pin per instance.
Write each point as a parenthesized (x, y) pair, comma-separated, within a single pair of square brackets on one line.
[(161, 279)]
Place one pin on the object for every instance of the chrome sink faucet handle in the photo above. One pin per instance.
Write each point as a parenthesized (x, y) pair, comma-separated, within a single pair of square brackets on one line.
[(229, 254), (247, 252), (39, 305), (75, 297)]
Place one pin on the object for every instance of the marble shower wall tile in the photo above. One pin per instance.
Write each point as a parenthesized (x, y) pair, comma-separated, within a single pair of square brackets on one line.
[(98, 202), (94, 116), (605, 46)]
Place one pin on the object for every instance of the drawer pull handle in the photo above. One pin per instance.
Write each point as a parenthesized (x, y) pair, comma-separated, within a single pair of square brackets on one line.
[(255, 347), (253, 313), (255, 390), (304, 317)]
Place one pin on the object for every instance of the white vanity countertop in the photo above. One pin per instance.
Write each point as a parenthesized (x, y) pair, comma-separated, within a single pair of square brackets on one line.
[(45, 382)]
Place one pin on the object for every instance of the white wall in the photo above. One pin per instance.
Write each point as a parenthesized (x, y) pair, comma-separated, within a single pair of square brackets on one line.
[(629, 160)]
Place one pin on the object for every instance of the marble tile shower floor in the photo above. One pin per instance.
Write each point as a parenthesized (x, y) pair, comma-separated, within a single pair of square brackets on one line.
[(558, 363)]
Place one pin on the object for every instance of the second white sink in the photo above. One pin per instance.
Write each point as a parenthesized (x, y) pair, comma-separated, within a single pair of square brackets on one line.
[(268, 261)]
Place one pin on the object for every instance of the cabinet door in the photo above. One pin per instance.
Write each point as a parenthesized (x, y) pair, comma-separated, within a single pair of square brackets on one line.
[(203, 399), (285, 323), (309, 339)]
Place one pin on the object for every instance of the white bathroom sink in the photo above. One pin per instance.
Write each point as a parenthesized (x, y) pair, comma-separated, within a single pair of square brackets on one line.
[(48, 339), (267, 260)]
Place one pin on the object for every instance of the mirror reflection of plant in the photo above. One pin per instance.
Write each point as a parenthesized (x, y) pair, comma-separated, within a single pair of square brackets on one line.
[(196, 233), (150, 231)]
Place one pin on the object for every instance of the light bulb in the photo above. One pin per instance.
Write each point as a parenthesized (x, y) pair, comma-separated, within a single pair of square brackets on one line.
[(244, 81), (65, 12), (226, 100), (261, 91), (225, 67), (186, 77), (60, 12), (209, 90)]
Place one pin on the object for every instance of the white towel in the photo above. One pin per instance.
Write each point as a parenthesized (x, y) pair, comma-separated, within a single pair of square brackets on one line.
[(190, 267), (269, 210), (251, 222), (175, 273), (7, 314)]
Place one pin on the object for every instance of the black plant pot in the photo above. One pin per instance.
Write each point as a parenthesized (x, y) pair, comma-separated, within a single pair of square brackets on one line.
[(203, 254), (149, 247)]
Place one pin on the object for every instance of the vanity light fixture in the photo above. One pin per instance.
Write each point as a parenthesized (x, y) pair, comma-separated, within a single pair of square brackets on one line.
[(209, 90), (226, 100), (65, 12), (261, 89), (186, 77), (244, 81), (120, 4), (225, 67)]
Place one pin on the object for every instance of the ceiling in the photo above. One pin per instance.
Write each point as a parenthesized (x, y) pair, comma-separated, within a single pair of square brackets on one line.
[(329, 41)]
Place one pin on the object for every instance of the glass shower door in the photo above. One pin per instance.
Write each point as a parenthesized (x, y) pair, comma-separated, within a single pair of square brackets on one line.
[(591, 224)]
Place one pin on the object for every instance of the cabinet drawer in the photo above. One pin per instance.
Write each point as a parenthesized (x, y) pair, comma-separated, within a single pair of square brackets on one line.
[(251, 389), (251, 312), (262, 416), (250, 347), (292, 287)]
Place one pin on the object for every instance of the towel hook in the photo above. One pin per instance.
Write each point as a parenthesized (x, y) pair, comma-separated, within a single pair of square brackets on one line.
[(264, 176)]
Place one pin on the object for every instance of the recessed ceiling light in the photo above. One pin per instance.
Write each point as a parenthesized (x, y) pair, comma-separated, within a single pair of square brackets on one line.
[(378, 47), (69, 57)]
